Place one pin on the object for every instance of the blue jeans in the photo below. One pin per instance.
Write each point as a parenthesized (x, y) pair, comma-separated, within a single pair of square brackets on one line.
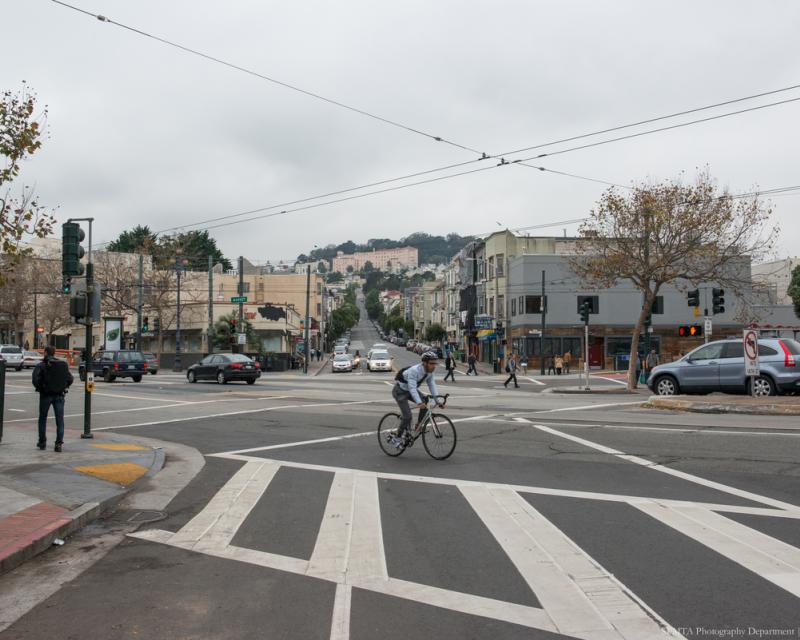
[(45, 401)]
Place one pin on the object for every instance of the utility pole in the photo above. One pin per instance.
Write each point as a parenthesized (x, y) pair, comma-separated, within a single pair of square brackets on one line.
[(35, 321), (210, 331), (543, 307), (705, 313), (240, 324), (87, 391), (308, 314), (139, 304), (178, 268)]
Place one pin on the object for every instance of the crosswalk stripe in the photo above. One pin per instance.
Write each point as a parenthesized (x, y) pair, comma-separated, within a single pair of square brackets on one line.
[(769, 558), (577, 593), (331, 551), (367, 556)]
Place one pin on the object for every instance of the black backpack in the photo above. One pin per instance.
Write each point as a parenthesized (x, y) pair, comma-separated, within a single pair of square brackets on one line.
[(400, 378), (55, 377)]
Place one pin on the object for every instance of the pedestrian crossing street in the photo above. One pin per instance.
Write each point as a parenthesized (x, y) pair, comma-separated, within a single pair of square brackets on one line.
[(576, 595)]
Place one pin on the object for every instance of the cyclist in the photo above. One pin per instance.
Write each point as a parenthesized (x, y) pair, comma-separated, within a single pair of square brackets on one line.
[(407, 383)]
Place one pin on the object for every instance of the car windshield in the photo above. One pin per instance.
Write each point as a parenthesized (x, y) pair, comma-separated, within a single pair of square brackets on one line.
[(149, 356), (380, 355), (12, 350), (342, 357), (31, 354)]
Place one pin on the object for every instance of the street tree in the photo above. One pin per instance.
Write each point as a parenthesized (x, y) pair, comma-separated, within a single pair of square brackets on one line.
[(334, 277), (794, 290), (21, 215), (435, 332), (670, 233), (140, 239), (226, 329)]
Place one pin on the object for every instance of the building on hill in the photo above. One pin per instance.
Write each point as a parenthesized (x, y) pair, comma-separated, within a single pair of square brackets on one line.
[(776, 276), (381, 259)]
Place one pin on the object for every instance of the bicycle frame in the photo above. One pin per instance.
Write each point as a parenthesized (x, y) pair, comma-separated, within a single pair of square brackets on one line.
[(427, 417)]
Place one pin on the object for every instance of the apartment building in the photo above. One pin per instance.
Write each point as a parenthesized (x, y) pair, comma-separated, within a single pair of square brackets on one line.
[(382, 259)]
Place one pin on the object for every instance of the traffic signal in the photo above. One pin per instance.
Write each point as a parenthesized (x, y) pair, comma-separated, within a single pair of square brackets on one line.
[(79, 307), (718, 301), (156, 324), (232, 323), (66, 284), (585, 310), (693, 297), (145, 324), (71, 250), (690, 331)]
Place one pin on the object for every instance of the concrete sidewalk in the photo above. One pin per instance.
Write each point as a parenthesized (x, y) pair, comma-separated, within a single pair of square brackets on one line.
[(46, 495), (769, 406)]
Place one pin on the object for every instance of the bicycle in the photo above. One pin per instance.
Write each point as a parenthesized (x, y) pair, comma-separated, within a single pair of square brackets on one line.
[(437, 431)]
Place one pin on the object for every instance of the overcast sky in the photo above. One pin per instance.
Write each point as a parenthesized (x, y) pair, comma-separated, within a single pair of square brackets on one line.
[(141, 133)]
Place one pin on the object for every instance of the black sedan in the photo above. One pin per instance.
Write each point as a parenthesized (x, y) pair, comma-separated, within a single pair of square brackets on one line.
[(224, 367)]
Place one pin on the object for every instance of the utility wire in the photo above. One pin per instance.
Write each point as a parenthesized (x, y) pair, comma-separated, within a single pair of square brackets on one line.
[(261, 76), (503, 162)]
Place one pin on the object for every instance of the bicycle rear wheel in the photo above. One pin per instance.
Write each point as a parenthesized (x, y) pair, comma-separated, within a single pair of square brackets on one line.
[(390, 421), (439, 437)]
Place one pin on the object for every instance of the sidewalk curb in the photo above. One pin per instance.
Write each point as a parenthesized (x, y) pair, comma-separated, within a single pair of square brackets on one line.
[(656, 402), (324, 364), (74, 520)]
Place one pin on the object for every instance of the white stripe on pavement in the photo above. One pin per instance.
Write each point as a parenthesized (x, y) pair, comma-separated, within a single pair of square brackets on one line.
[(591, 406)]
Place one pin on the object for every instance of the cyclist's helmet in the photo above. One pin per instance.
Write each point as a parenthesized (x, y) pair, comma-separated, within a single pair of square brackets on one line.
[(429, 356)]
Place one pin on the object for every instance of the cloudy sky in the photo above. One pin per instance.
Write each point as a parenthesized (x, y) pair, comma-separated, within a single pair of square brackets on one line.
[(141, 133)]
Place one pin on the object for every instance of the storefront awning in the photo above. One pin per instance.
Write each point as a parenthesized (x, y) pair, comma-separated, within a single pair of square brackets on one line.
[(486, 334)]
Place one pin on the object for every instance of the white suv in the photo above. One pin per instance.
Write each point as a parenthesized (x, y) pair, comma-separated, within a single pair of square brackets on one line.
[(13, 355)]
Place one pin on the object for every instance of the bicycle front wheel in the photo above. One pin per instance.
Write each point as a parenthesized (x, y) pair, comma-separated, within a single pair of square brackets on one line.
[(389, 422), (439, 437)]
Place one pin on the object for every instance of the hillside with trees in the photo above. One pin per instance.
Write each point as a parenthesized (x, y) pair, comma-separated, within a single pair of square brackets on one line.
[(432, 249)]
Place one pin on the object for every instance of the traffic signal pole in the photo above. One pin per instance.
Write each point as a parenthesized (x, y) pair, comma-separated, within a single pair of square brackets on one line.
[(543, 307), (240, 327), (308, 313)]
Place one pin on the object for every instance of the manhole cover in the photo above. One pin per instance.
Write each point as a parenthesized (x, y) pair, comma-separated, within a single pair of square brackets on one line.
[(142, 517)]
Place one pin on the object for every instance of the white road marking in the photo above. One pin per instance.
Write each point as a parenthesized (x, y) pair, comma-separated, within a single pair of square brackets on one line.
[(132, 409), (535, 381), (590, 406), (668, 470), (332, 549), (128, 397), (575, 591), (367, 557), (622, 382), (228, 413), (17, 410), (340, 621), (765, 556)]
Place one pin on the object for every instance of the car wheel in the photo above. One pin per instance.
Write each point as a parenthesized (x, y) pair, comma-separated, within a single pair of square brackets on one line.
[(19, 368), (251, 381), (108, 376), (152, 373), (221, 378), (761, 387), (191, 377), (137, 378), (666, 386)]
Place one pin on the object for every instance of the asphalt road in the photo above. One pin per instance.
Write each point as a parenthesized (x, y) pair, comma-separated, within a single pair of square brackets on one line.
[(557, 516)]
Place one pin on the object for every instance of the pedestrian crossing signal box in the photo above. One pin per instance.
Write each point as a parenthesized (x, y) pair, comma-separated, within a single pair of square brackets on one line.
[(690, 331), (90, 382)]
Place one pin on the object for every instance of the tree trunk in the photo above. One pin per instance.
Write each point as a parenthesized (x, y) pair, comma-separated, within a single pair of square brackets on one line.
[(647, 305)]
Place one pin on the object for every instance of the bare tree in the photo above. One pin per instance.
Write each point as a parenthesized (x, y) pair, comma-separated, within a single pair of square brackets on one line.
[(671, 233)]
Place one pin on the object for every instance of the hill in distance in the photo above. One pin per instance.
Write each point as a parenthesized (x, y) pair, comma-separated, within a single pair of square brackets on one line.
[(432, 249)]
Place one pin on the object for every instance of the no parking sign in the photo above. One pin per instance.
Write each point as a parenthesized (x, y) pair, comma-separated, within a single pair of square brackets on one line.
[(751, 367)]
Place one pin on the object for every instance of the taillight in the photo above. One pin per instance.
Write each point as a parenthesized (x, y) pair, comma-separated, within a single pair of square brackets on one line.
[(258, 365), (788, 358), (116, 365), (145, 364), (236, 365)]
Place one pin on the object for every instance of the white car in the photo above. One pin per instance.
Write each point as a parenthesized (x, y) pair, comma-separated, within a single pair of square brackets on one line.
[(378, 346), (31, 358), (342, 362), (12, 354), (340, 349), (379, 360)]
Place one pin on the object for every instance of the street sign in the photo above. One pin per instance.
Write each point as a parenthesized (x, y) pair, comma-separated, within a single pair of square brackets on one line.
[(239, 299), (242, 339), (751, 367), (708, 326)]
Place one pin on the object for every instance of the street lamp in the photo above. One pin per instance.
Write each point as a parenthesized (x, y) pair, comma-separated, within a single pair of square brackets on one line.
[(180, 265)]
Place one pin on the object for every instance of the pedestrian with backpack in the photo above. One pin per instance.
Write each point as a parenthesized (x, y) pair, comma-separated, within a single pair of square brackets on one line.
[(51, 379), (511, 370), (471, 361), (450, 366)]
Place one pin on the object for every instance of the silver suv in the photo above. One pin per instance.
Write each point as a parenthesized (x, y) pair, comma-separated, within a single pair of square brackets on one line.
[(719, 366), (13, 355)]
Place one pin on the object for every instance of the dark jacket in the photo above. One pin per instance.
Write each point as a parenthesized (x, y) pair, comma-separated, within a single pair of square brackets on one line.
[(449, 362), (51, 367)]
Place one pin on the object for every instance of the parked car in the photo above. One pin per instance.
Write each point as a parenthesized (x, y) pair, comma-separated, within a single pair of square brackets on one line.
[(342, 362), (111, 365), (12, 354), (400, 342), (719, 366), (224, 368), (410, 344), (31, 358), (152, 363), (379, 361)]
